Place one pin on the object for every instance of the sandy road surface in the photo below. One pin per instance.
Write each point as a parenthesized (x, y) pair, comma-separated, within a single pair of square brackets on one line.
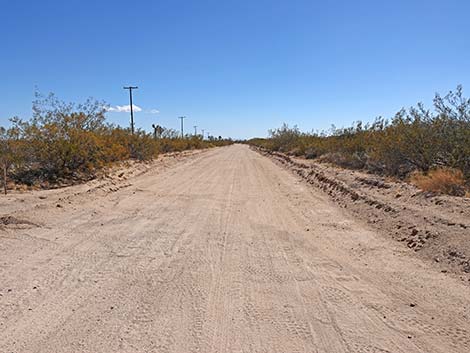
[(223, 252)]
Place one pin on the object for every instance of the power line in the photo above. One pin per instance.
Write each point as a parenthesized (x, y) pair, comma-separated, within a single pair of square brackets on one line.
[(130, 88), (182, 125)]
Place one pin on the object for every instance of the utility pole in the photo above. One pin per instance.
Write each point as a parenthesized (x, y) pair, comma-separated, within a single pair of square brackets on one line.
[(202, 133), (130, 88), (182, 126), (195, 130)]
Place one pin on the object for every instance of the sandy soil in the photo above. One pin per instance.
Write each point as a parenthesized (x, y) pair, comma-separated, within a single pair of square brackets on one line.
[(436, 227), (221, 251)]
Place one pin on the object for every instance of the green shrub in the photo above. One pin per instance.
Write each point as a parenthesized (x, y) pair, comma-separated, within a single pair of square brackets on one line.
[(64, 141), (413, 140)]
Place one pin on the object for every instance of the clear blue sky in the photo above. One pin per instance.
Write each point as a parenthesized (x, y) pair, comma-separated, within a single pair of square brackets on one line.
[(235, 68)]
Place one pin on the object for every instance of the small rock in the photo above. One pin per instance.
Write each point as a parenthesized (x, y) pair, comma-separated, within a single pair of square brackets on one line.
[(412, 305), (59, 205), (411, 244)]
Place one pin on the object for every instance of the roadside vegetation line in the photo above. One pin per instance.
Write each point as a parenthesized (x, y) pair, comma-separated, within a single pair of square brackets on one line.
[(65, 143), (429, 148)]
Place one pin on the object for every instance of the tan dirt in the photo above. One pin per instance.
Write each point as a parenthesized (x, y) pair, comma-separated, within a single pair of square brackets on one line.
[(436, 227), (222, 251)]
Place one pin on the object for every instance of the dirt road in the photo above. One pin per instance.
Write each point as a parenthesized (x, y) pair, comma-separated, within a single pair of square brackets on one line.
[(221, 252)]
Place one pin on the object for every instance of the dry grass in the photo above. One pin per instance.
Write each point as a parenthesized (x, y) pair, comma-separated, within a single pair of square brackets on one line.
[(441, 180)]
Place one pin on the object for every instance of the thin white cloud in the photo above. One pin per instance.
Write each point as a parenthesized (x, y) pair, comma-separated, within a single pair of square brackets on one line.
[(153, 111), (124, 108)]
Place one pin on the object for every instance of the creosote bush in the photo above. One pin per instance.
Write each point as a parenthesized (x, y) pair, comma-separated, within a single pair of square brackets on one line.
[(416, 139), (65, 142)]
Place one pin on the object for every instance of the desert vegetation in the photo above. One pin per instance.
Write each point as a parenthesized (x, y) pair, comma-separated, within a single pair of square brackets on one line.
[(431, 148), (67, 142)]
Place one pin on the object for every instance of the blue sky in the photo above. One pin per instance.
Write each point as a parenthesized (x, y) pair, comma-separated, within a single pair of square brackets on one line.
[(235, 68)]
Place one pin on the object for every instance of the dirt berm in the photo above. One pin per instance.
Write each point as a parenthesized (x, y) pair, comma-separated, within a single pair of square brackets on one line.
[(436, 227)]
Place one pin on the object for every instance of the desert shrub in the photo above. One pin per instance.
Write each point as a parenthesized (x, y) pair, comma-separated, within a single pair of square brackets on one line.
[(440, 180), (65, 141), (10, 156), (142, 146), (61, 141), (416, 139), (351, 161), (285, 139)]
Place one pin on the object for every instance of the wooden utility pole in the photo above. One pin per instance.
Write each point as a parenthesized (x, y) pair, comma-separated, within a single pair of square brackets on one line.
[(195, 130), (130, 88)]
